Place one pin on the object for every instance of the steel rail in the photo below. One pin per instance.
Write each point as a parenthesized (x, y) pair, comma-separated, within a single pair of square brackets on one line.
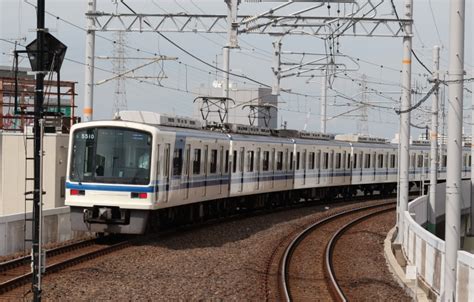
[(286, 259), (336, 289), (19, 280)]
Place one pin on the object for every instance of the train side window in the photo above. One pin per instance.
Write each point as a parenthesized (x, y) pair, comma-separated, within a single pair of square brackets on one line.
[(392, 161), (166, 166), (413, 160), (259, 154), (311, 160), (242, 159), (221, 159), (279, 163), (367, 161), (318, 160), (250, 160), (469, 161), (380, 161), (187, 159), (226, 169), (374, 158), (291, 161), (305, 166), (297, 160), (331, 160), (325, 160), (348, 161), (266, 160), (419, 162), (272, 160), (213, 166), (234, 162), (354, 165), (177, 161), (444, 161), (197, 161), (425, 160), (464, 160), (338, 160)]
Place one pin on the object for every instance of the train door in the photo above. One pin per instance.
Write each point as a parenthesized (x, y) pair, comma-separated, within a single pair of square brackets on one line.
[(318, 166), (272, 166), (303, 161), (206, 169), (374, 163), (187, 158), (166, 171), (331, 166), (343, 166), (257, 169), (157, 176), (241, 168), (360, 166), (221, 165), (287, 169)]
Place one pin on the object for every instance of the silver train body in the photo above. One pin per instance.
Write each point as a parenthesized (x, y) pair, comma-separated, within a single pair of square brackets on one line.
[(121, 172)]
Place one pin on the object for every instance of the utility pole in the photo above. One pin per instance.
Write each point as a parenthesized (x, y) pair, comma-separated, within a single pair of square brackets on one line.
[(38, 116), (434, 144), (324, 89), (89, 67), (455, 120), (404, 143), (232, 26)]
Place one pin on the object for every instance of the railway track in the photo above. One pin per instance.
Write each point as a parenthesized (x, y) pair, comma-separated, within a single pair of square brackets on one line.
[(17, 272), (305, 269)]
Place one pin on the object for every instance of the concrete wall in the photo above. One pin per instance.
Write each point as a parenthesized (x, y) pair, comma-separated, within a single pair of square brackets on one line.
[(12, 171), (427, 252), (56, 228)]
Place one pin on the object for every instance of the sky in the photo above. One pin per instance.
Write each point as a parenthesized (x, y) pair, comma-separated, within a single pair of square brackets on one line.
[(376, 59)]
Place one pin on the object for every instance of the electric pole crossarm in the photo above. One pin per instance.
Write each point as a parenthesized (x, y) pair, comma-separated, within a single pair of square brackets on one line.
[(268, 24)]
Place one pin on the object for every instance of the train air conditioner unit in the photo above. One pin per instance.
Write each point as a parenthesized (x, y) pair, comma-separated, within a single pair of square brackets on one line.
[(154, 118), (356, 138)]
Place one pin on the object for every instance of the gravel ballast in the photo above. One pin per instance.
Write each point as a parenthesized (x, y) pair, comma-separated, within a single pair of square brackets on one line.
[(224, 261)]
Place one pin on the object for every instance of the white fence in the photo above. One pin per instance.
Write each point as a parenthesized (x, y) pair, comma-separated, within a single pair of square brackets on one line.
[(427, 252)]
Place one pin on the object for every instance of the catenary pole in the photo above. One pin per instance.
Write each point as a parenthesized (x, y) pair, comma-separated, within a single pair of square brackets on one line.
[(455, 119), (38, 115), (89, 67), (324, 89), (434, 144), (232, 6), (471, 229), (404, 156)]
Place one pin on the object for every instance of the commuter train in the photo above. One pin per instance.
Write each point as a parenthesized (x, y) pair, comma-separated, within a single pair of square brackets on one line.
[(143, 170)]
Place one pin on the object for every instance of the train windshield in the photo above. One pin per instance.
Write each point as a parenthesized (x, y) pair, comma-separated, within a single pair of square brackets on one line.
[(111, 155)]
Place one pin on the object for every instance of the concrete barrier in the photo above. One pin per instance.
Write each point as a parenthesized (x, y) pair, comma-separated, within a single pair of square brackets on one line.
[(427, 252), (13, 229)]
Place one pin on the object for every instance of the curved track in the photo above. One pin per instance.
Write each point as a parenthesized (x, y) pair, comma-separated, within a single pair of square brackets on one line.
[(304, 273), (17, 272)]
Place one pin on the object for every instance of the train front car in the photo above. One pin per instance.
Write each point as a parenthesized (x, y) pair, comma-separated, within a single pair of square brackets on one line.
[(109, 183)]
